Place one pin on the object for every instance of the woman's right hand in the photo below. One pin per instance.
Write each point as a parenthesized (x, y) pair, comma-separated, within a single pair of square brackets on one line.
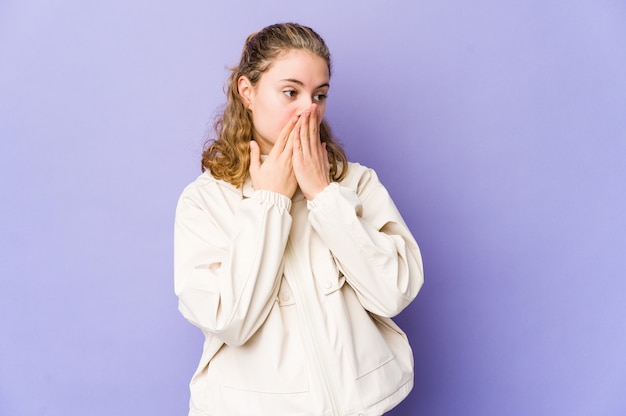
[(276, 172)]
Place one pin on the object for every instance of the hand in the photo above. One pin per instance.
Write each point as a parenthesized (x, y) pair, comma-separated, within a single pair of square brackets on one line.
[(276, 172), (310, 158)]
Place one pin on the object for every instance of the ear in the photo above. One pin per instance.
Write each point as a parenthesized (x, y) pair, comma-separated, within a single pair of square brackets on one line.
[(246, 91)]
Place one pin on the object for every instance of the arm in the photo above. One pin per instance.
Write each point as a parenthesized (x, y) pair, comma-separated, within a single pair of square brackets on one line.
[(372, 245), (228, 264)]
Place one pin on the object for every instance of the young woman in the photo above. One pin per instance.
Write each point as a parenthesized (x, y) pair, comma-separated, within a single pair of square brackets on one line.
[(290, 259)]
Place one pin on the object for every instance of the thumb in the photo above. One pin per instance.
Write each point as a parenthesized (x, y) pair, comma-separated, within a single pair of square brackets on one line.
[(255, 157)]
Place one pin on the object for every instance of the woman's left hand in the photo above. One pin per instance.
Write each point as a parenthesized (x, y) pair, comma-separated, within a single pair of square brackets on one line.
[(310, 158)]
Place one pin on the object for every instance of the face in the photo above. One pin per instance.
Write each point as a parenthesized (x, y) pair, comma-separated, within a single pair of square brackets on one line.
[(291, 85)]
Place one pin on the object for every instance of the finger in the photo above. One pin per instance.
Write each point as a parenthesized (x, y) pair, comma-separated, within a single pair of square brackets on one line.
[(291, 143), (314, 127), (295, 139), (296, 136), (305, 138), (283, 136), (255, 158)]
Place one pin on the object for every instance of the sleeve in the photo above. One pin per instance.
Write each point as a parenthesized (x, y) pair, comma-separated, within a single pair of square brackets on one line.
[(227, 265), (371, 243)]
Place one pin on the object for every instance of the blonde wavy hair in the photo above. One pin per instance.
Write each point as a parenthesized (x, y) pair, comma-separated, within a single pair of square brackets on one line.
[(227, 156)]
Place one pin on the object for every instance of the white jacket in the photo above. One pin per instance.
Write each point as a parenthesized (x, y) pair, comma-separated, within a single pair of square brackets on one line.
[(295, 297)]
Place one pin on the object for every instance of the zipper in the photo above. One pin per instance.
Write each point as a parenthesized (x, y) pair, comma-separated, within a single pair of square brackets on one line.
[(302, 300)]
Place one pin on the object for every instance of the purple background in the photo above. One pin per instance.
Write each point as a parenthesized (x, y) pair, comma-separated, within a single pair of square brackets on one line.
[(498, 127)]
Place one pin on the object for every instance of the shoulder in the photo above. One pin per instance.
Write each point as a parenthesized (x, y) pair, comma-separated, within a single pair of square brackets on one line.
[(206, 182), (360, 178), (206, 191)]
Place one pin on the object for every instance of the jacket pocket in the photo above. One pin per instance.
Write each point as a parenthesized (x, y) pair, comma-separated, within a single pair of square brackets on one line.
[(272, 361), (366, 344), (395, 339)]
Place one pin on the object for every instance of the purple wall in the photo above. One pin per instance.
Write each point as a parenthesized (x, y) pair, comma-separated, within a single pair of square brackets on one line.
[(498, 127)]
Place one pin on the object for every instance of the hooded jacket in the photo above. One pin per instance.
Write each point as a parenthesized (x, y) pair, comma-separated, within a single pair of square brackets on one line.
[(295, 297)]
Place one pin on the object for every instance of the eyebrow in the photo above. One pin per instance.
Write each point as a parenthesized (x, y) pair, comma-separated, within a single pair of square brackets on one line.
[(295, 81)]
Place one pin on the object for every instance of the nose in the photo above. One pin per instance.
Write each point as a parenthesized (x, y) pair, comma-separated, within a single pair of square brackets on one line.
[(305, 104)]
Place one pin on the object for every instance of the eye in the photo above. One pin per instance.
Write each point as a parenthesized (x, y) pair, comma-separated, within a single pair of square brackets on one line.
[(320, 97), (290, 93)]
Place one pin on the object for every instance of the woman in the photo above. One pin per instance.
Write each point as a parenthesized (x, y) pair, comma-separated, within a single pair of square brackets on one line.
[(288, 258)]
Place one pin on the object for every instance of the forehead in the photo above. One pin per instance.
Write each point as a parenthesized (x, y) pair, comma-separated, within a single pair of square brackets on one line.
[(298, 64)]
